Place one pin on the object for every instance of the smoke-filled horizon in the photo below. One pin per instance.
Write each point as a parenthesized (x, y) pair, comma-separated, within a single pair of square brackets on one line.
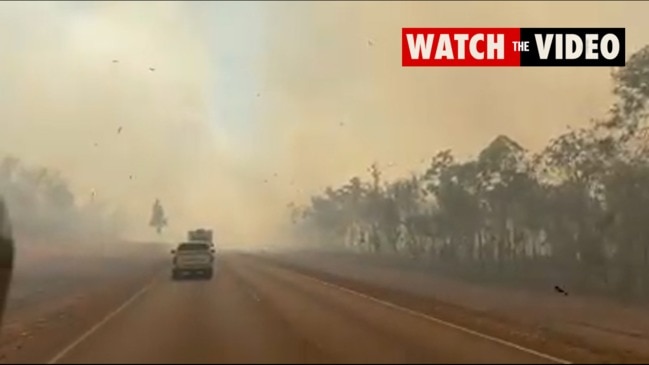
[(229, 111)]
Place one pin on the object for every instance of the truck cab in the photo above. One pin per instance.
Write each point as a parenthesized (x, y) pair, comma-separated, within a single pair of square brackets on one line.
[(193, 258)]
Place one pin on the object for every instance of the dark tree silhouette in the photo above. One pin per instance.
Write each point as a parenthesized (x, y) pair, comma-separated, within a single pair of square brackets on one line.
[(158, 218)]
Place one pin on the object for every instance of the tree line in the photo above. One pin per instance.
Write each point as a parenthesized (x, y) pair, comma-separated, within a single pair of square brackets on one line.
[(41, 204), (575, 213)]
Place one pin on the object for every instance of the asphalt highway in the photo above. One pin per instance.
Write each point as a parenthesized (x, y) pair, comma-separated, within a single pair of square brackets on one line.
[(254, 311)]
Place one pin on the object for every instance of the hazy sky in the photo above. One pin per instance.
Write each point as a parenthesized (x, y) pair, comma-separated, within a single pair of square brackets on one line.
[(243, 91)]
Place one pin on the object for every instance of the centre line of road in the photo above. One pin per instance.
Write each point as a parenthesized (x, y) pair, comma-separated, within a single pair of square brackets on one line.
[(101, 323), (435, 320)]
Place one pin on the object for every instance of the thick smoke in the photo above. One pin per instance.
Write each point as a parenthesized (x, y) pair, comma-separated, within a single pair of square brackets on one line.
[(74, 73), (328, 72), (328, 98), (338, 98), (42, 206)]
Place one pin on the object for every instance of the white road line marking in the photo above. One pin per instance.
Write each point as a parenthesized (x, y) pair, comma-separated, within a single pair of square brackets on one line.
[(101, 323), (437, 320)]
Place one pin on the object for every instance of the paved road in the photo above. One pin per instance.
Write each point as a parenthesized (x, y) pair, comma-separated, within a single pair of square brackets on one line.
[(254, 311)]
